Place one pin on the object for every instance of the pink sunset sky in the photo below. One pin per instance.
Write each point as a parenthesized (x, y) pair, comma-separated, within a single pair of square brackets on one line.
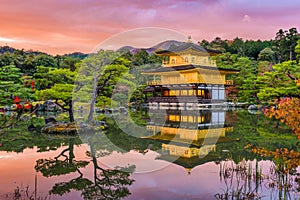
[(64, 26)]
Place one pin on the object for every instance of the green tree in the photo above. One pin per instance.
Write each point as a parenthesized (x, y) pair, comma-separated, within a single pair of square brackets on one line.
[(140, 58), (253, 48), (266, 54), (297, 49), (28, 66), (125, 53), (61, 91), (226, 60), (218, 44), (279, 45), (62, 96), (123, 90), (264, 66), (6, 59), (205, 44), (246, 80), (43, 78), (11, 85), (281, 82), (45, 60), (292, 37), (237, 47), (284, 44), (98, 74), (69, 63), (19, 58), (62, 76)]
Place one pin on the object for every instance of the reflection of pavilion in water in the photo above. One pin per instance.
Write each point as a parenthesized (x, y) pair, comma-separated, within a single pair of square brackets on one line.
[(189, 137)]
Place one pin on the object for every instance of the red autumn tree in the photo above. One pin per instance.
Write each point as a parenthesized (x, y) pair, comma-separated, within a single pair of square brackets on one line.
[(287, 110)]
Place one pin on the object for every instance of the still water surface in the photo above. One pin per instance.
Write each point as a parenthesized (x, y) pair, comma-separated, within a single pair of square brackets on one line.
[(164, 162)]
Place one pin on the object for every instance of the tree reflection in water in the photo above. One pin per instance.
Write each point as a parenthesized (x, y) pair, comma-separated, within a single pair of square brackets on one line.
[(61, 164), (8, 120), (106, 183)]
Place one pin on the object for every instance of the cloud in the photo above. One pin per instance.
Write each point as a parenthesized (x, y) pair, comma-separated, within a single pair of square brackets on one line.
[(79, 25), (4, 39), (246, 18)]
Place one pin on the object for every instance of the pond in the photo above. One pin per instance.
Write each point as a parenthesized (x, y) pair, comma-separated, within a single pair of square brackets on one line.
[(155, 155)]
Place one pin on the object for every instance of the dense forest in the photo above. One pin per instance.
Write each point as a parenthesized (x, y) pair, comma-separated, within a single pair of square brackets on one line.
[(269, 70)]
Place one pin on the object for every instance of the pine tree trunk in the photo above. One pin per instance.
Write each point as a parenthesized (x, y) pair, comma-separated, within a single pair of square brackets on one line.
[(92, 106), (71, 114), (291, 53)]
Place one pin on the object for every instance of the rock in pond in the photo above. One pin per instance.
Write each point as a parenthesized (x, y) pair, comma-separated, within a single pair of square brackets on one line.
[(253, 107), (73, 129), (60, 128)]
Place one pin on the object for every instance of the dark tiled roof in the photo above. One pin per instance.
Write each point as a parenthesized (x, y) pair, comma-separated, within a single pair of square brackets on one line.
[(187, 67), (184, 46)]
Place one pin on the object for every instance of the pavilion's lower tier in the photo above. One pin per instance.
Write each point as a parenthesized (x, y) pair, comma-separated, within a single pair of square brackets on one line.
[(186, 106), (184, 95)]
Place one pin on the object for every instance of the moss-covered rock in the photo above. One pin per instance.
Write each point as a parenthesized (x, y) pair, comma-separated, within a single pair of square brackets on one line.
[(60, 128)]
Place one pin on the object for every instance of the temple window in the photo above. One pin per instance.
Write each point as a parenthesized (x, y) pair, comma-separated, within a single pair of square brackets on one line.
[(200, 119), (184, 118), (174, 93), (200, 92), (175, 118), (165, 93), (191, 92), (184, 92), (173, 61), (186, 59)]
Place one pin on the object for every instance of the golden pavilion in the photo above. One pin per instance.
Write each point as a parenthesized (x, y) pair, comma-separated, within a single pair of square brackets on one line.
[(188, 79)]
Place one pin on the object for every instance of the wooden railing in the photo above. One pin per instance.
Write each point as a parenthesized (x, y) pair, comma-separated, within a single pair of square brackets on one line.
[(168, 63), (158, 82), (176, 63), (178, 99)]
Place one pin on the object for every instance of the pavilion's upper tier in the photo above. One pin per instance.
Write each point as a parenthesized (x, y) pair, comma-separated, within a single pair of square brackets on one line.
[(187, 53)]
